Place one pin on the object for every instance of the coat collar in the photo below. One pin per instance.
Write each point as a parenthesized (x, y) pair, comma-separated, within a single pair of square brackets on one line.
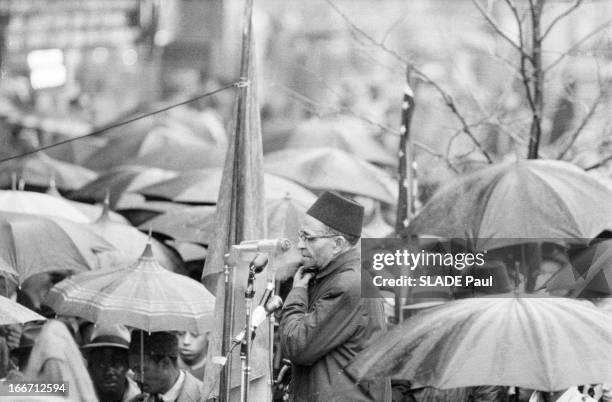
[(352, 255)]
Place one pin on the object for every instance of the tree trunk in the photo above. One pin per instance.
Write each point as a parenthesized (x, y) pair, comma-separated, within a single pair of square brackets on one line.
[(537, 78)]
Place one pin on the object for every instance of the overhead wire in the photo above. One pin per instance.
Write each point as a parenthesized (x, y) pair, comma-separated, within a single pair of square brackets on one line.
[(235, 84)]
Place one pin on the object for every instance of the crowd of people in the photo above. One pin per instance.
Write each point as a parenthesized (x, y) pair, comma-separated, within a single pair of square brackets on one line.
[(324, 324)]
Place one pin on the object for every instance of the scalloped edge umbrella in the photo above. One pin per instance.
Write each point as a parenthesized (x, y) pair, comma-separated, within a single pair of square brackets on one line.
[(142, 295)]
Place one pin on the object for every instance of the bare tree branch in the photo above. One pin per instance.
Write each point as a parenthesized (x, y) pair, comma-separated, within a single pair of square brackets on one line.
[(561, 16), (448, 99), (317, 108), (519, 24), (496, 27), (335, 110), (392, 27), (577, 45)]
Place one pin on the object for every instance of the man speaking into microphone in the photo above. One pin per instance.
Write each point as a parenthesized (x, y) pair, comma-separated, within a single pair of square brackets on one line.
[(325, 322)]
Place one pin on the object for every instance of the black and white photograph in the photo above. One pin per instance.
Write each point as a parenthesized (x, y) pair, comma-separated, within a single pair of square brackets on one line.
[(306, 200)]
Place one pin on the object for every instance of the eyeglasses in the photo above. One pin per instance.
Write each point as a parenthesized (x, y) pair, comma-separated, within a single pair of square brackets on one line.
[(303, 236)]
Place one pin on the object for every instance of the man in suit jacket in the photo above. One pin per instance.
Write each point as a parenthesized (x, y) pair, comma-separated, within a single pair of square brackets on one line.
[(159, 374)]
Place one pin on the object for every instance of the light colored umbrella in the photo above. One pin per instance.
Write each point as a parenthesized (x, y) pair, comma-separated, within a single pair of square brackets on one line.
[(202, 187), (519, 202), (29, 202), (14, 313), (128, 241), (542, 343), (93, 212), (346, 134), (33, 244), (124, 150), (120, 180), (197, 224), (331, 169), (38, 169), (142, 295), (183, 158)]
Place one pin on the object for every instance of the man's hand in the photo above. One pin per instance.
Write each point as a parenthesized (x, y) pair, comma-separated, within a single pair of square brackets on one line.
[(300, 280), (13, 335)]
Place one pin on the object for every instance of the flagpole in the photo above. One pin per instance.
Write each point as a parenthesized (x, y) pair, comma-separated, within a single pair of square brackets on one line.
[(237, 208)]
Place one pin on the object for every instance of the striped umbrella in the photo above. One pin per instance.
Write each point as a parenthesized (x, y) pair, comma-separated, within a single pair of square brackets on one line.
[(142, 295)]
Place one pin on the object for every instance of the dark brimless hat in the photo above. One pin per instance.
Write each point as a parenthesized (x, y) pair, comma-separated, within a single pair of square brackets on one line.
[(154, 343), (338, 212)]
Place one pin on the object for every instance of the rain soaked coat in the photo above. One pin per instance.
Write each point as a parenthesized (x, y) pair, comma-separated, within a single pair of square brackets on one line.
[(323, 327)]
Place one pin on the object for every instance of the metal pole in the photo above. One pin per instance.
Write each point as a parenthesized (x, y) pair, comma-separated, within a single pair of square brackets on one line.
[(245, 351), (228, 315)]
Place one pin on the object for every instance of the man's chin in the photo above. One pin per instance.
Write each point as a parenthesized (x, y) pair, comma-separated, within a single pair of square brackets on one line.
[(307, 262)]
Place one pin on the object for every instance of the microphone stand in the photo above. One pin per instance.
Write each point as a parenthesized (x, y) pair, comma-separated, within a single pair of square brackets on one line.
[(245, 348), (271, 327)]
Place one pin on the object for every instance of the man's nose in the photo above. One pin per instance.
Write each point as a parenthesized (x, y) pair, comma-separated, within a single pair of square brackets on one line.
[(301, 243)]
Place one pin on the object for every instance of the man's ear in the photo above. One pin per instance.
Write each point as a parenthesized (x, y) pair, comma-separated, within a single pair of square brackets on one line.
[(340, 243)]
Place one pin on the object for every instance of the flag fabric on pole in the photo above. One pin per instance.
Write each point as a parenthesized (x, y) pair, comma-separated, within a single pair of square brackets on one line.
[(239, 216)]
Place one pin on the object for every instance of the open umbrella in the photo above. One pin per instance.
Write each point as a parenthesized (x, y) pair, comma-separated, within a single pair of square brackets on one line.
[(123, 150), (202, 187), (14, 313), (197, 224), (38, 169), (29, 202), (540, 343), (128, 241), (75, 151), (119, 180), (33, 244), (331, 169), (509, 203), (93, 212), (192, 224), (139, 211), (344, 133), (183, 158), (142, 295)]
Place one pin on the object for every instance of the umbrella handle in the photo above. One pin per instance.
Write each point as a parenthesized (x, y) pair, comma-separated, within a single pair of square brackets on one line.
[(141, 357)]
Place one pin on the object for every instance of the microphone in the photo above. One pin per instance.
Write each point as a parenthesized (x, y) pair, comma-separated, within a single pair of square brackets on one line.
[(258, 263), (265, 245), (259, 315)]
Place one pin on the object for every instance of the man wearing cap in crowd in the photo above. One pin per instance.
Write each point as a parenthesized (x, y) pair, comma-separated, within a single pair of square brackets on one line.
[(159, 374), (325, 322), (107, 357)]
